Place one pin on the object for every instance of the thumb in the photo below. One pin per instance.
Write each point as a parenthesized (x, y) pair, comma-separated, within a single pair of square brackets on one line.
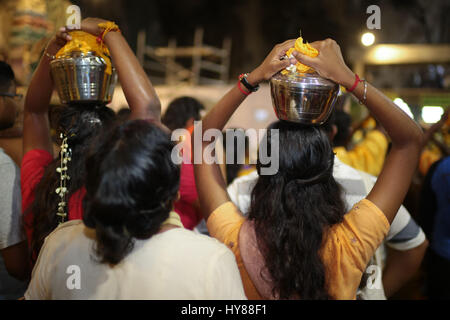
[(282, 64), (310, 62)]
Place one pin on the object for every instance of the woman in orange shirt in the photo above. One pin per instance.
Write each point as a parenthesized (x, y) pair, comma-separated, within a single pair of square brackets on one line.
[(298, 240)]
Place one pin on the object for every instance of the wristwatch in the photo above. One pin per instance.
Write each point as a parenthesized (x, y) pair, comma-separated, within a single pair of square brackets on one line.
[(243, 80)]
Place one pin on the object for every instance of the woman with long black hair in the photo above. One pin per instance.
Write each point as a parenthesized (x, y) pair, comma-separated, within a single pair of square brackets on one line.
[(298, 242), (77, 125), (131, 244)]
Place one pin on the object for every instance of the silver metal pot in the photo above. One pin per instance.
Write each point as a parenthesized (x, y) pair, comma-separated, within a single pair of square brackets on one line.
[(303, 97), (81, 78)]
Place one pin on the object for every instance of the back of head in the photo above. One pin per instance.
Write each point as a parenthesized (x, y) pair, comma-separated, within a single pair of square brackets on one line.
[(6, 76), (7, 107), (180, 111), (123, 114), (236, 139), (343, 123), (293, 208), (80, 124), (131, 184)]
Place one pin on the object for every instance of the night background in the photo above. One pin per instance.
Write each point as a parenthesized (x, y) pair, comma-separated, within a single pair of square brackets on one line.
[(255, 26)]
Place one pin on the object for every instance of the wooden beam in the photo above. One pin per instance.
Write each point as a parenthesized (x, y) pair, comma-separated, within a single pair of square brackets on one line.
[(226, 59), (140, 48), (170, 62), (211, 66), (197, 58), (187, 51)]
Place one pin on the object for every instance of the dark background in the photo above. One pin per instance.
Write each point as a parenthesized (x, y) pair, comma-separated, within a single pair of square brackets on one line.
[(257, 25)]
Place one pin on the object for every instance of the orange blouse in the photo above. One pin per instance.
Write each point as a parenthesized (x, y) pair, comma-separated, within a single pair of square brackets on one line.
[(348, 246)]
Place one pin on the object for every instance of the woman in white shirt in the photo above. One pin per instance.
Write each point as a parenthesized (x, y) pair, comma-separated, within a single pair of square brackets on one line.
[(130, 244)]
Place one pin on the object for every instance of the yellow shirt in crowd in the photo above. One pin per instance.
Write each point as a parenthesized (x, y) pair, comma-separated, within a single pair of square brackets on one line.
[(368, 155)]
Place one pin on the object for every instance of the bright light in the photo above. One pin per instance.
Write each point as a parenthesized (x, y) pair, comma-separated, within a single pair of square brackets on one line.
[(404, 106), (383, 53), (368, 39), (432, 114)]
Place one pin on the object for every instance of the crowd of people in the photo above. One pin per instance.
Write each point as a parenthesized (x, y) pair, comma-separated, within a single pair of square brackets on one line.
[(113, 209)]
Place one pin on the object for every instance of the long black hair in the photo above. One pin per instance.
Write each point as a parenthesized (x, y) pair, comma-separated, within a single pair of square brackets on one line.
[(293, 209), (80, 123), (131, 184)]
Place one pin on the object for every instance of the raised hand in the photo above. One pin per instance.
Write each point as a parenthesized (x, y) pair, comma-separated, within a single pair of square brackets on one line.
[(90, 25), (272, 63), (329, 63), (58, 41)]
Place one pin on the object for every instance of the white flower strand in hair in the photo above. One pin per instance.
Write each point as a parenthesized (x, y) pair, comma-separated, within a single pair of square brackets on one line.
[(65, 154)]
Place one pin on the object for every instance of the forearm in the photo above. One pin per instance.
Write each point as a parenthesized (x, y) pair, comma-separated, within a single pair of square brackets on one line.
[(36, 127), (219, 115), (401, 266), (137, 87), (402, 130), (40, 89)]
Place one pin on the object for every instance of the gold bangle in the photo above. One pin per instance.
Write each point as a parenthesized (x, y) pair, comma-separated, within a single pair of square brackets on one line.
[(363, 101)]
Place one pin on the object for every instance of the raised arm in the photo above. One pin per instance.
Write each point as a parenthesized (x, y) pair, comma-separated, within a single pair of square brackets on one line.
[(136, 85), (211, 185), (429, 133), (406, 136), (36, 129)]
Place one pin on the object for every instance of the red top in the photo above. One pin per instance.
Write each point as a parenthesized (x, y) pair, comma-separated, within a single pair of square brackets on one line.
[(32, 169), (33, 166), (188, 195)]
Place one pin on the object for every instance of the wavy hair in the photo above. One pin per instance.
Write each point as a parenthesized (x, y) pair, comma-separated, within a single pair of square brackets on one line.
[(80, 123), (293, 209), (131, 184)]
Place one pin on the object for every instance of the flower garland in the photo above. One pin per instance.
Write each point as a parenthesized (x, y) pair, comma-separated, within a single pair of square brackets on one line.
[(65, 155)]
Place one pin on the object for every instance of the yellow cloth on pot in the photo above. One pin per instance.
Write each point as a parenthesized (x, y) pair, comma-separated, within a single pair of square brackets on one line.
[(306, 49), (85, 42)]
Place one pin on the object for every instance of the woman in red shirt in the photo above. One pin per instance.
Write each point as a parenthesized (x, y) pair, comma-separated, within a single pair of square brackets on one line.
[(80, 124)]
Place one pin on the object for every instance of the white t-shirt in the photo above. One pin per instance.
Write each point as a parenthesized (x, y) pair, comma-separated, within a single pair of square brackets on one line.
[(176, 264), (404, 233), (11, 231)]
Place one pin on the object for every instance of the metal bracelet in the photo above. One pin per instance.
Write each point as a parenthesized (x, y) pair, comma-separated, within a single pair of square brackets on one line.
[(52, 57), (363, 101)]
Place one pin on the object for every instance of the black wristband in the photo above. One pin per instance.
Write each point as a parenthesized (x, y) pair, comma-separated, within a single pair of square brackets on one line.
[(243, 79)]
